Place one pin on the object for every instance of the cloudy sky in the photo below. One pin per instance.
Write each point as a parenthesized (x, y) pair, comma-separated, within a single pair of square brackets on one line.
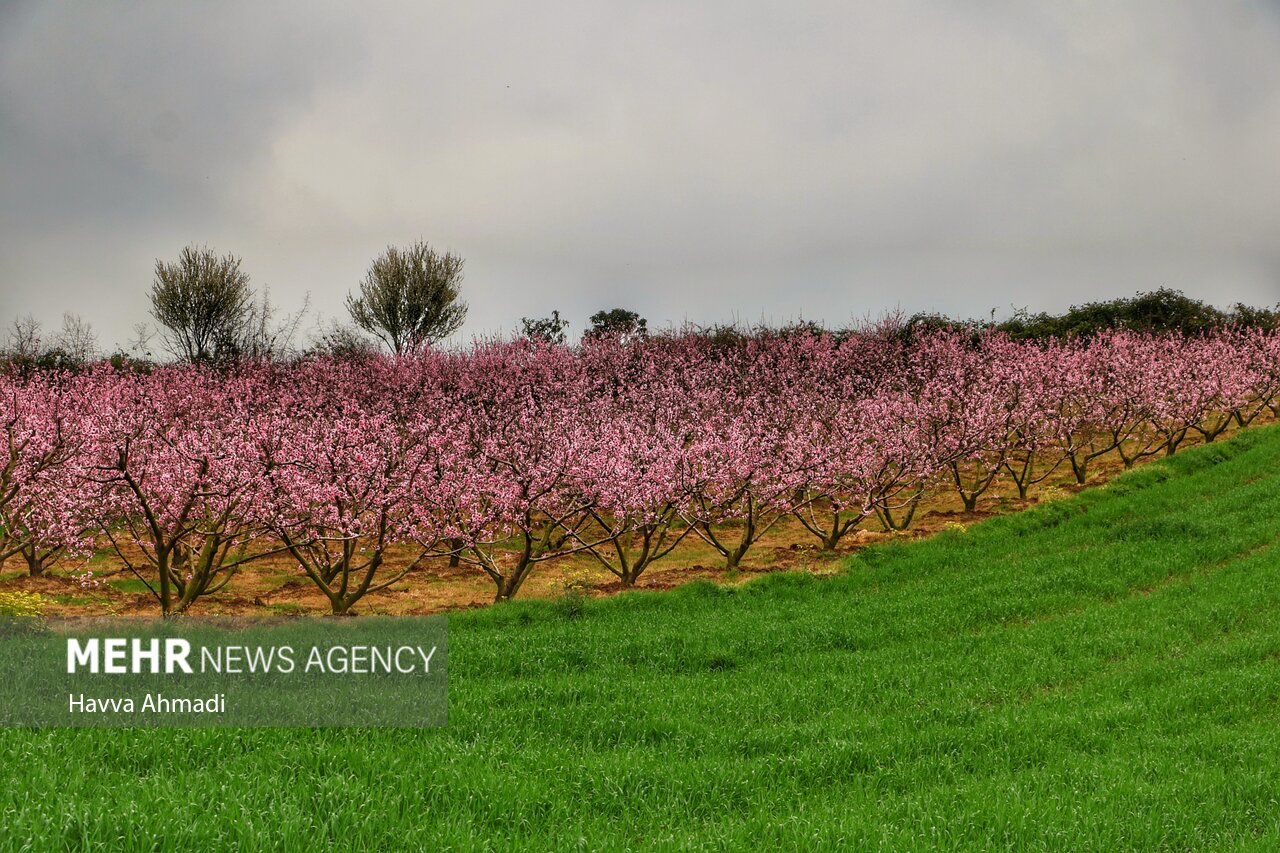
[(691, 161)]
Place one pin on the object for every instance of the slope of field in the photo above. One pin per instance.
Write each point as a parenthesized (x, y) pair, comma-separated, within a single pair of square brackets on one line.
[(1101, 672)]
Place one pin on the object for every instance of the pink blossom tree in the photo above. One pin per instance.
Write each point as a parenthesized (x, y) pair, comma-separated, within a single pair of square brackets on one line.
[(515, 479), (638, 412), (1260, 350), (966, 396), (358, 476), (739, 471), (1222, 383), (177, 475), (43, 513), (1033, 455)]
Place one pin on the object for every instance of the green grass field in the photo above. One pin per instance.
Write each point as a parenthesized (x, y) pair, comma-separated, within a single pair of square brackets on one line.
[(1100, 672)]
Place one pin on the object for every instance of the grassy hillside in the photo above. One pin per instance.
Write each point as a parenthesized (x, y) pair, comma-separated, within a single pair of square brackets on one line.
[(1101, 672)]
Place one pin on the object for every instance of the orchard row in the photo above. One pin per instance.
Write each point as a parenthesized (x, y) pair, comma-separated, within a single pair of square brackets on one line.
[(513, 453)]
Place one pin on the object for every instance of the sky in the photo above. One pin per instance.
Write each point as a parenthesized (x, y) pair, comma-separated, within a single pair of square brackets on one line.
[(695, 162)]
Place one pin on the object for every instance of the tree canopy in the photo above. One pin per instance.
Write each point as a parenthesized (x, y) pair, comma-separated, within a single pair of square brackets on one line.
[(410, 297), (203, 301)]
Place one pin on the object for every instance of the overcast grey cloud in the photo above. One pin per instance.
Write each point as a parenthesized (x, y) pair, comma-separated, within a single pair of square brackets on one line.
[(695, 162)]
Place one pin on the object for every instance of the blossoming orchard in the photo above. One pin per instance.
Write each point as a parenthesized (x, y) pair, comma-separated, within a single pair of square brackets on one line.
[(511, 454)]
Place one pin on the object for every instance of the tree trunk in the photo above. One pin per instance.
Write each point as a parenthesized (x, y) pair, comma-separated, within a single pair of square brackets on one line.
[(510, 584), (890, 523), (162, 563), (36, 563), (733, 557)]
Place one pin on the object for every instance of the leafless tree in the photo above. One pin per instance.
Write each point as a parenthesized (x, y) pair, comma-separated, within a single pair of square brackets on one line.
[(24, 342), (77, 340), (140, 343), (265, 337)]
